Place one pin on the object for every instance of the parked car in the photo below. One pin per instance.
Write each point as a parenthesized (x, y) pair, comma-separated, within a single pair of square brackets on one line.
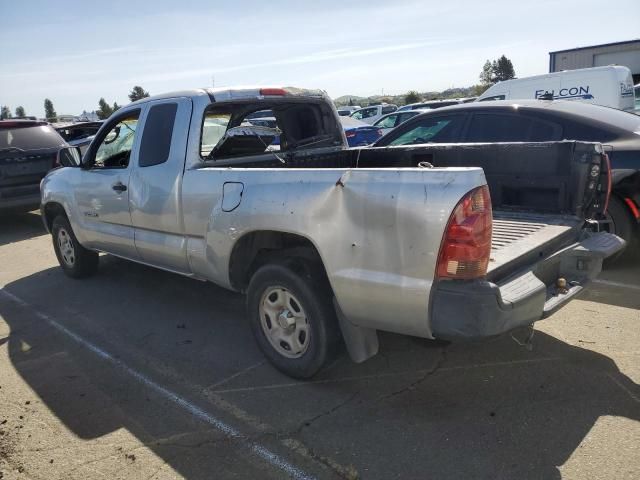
[(358, 133), (373, 113), (610, 86), (264, 122), (541, 121), (392, 120), (78, 134), (429, 105), (370, 241), (269, 122), (348, 110), (28, 151)]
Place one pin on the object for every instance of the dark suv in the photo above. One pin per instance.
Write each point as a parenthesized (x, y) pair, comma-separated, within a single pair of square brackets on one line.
[(542, 121), (28, 150)]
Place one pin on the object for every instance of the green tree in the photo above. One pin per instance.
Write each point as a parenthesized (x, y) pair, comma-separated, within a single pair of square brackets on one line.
[(480, 89), (49, 112), (137, 93), (412, 97), (497, 71), (115, 107), (5, 113), (20, 112), (350, 102), (105, 110), (503, 69), (486, 75)]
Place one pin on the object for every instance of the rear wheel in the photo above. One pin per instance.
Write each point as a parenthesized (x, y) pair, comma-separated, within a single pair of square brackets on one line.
[(292, 319), (75, 260), (620, 221)]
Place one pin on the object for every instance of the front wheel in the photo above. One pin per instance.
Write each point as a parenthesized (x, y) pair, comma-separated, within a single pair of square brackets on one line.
[(75, 260), (292, 319)]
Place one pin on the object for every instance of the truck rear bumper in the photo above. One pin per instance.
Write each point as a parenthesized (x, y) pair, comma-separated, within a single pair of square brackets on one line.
[(479, 308)]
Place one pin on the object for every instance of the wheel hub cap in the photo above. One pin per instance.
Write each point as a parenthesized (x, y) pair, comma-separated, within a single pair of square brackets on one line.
[(65, 244), (284, 322)]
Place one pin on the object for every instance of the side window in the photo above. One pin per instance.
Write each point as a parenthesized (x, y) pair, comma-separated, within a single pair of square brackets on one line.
[(494, 97), (543, 131), (431, 130), (115, 146), (388, 109), (371, 112), (387, 122), (490, 127), (213, 129), (403, 117), (583, 131), (157, 133), (365, 113)]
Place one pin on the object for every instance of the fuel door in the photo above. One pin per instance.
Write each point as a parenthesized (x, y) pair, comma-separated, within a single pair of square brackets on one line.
[(231, 195)]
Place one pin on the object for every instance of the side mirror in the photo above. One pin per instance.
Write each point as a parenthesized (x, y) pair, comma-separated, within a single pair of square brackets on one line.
[(69, 157)]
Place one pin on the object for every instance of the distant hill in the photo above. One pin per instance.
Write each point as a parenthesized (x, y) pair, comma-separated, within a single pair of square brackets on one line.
[(399, 99)]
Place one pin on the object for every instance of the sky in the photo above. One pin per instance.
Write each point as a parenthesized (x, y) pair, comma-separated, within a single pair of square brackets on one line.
[(75, 52)]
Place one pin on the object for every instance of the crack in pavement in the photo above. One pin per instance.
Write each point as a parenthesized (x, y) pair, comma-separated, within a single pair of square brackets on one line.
[(307, 423), (427, 374)]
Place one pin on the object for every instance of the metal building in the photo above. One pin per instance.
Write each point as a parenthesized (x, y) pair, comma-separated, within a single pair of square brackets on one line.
[(619, 53)]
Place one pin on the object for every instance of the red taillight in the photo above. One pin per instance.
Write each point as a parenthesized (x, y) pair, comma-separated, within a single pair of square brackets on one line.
[(273, 91), (350, 133), (632, 206), (466, 247)]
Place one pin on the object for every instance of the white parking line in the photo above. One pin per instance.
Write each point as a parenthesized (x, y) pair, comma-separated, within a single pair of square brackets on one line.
[(259, 450), (616, 284)]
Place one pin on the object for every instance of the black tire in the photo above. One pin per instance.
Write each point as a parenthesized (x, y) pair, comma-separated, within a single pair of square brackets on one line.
[(75, 260), (622, 222), (312, 293)]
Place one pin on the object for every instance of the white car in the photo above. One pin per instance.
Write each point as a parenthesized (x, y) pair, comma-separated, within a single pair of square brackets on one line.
[(392, 120), (431, 104), (373, 113), (347, 110)]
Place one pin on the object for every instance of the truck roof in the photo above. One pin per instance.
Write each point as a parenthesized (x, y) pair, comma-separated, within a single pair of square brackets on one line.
[(221, 94)]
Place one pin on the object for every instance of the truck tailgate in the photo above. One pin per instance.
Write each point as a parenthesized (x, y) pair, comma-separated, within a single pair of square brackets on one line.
[(519, 237)]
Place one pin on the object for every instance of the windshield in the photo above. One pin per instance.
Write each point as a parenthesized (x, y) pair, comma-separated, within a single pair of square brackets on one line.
[(30, 138)]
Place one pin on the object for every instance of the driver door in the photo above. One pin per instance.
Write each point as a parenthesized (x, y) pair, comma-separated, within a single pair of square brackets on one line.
[(102, 194)]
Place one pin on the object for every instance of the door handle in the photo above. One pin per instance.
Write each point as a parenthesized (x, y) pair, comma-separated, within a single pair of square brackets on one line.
[(119, 187)]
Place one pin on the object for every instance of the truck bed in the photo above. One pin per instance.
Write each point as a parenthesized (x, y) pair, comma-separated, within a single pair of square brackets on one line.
[(519, 236)]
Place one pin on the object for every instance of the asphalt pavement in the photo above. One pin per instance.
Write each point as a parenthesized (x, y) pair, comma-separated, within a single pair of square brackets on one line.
[(137, 373)]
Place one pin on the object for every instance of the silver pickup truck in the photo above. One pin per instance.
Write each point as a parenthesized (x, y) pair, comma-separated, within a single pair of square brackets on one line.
[(329, 243)]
